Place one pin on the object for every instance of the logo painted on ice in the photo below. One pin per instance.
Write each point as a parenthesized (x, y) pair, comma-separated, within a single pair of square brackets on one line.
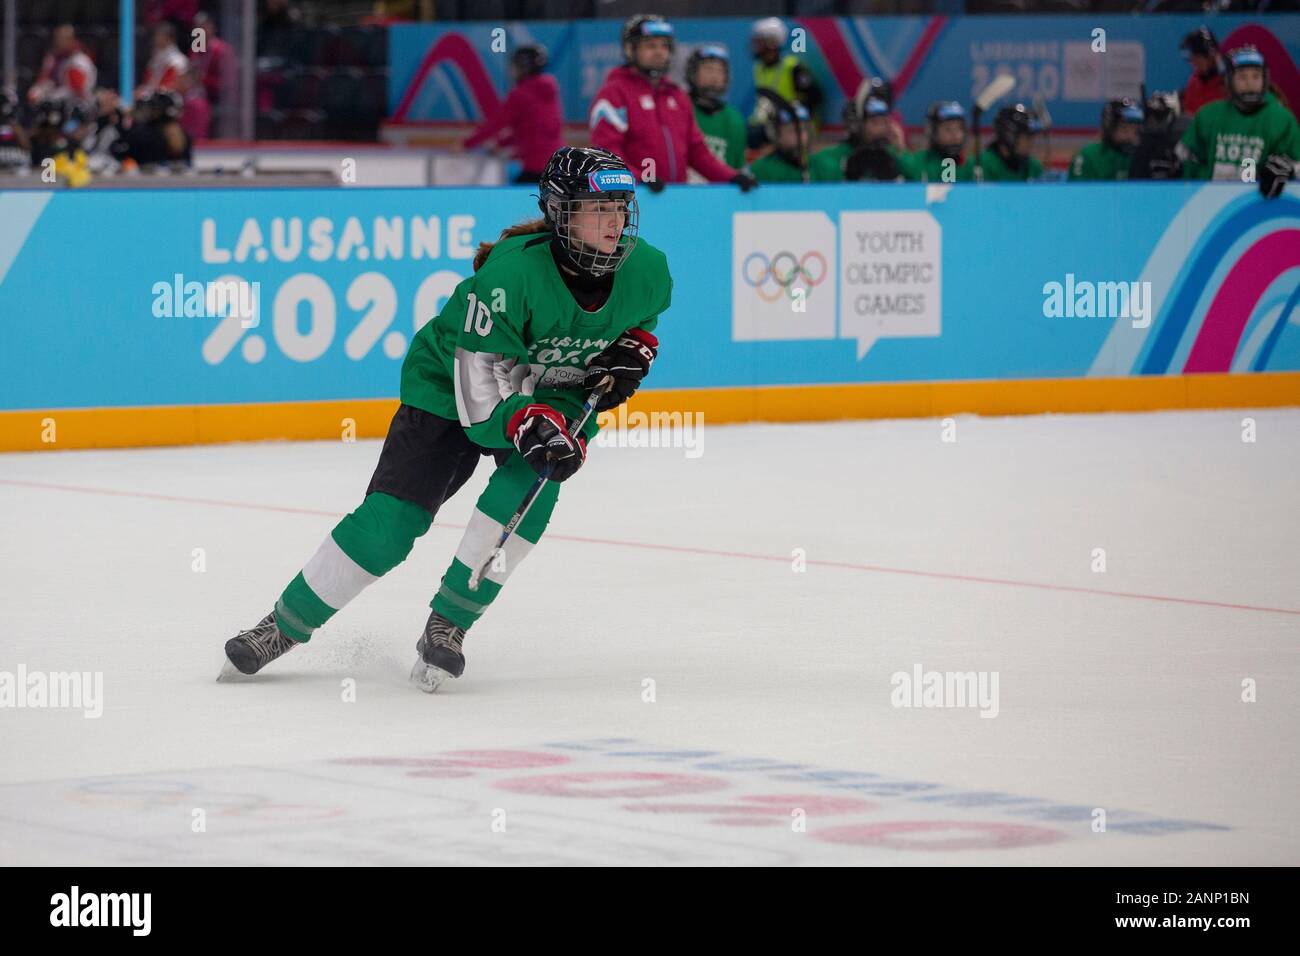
[(621, 775)]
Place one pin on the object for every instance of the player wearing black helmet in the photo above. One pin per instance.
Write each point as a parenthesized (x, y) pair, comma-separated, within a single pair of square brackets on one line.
[(708, 76), (943, 159), (1248, 137), (1163, 125), (1010, 157), (557, 307), (1121, 128), (788, 129), (867, 152)]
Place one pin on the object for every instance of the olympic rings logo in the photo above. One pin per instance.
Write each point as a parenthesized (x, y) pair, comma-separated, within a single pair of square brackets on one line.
[(784, 270)]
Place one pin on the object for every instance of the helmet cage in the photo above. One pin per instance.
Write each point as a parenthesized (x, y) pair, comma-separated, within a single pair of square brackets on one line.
[(561, 212)]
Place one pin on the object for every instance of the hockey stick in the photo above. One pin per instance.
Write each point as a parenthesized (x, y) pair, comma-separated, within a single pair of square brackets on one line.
[(476, 576), (1000, 87)]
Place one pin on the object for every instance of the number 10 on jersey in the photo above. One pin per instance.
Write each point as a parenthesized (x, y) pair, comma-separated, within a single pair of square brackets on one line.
[(478, 318)]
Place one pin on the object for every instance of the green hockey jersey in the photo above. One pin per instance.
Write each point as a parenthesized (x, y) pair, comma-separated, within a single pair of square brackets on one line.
[(926, 165), (512, 334), (1100, 161), (995, 170), (775, 168), (724, 133), (1221, 138)]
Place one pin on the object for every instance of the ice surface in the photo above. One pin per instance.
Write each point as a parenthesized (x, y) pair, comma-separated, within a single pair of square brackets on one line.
[(771, 737)]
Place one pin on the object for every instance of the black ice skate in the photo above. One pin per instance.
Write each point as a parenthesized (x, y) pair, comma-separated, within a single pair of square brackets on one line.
[(440, 654), (249, 651)]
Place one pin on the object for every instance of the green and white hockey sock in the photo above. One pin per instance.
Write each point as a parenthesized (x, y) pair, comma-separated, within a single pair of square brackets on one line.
[(362, 548)]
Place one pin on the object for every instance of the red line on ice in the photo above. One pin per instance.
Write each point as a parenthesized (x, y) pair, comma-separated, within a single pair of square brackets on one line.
[(686, 549)]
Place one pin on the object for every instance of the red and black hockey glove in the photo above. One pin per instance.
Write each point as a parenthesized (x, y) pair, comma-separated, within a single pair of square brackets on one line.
[(542, 437), (628, 360)]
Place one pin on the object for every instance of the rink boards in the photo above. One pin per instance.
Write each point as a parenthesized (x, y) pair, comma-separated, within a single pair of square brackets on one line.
[(175, 316)]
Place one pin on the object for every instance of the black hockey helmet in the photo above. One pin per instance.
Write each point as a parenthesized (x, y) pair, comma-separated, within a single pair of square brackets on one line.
[(577, 174), (1244, 57), (1119, 111), (640, 27), (865, 103), (1200, 41), (941, 112), (772, 111), (881, 89), (529, 59), (710, 51), (1011, 123)]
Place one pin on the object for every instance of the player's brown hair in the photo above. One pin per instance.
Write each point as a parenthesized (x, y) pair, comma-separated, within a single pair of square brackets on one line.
[(526, 228)]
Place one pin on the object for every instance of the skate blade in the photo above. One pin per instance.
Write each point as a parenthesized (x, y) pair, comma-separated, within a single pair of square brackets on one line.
[(427, 677), (230, 673)]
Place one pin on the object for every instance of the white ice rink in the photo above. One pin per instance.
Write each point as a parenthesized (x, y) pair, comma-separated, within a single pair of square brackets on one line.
[(771, 737)]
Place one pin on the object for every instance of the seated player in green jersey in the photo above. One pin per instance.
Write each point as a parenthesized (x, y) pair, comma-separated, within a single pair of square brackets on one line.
[(1121, 128), (943, 159), (1248, 137), (867, 152), (557, 308), (788, 129), (1010, 159), (708, 75)]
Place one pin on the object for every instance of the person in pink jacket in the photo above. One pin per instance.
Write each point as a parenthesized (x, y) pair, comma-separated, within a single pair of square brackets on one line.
[(647, 120), (529, 120)]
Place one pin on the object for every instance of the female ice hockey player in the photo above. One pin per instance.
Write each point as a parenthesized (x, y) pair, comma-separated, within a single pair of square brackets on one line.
[(553, 308), (1250, 130)]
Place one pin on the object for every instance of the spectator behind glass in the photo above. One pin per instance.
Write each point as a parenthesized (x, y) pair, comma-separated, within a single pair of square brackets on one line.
[(15, 147), (67, 72), (529, 120), (179, 13), (214, 67), (1205, 85), (155, 136), (196, 114), (165, 65)]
